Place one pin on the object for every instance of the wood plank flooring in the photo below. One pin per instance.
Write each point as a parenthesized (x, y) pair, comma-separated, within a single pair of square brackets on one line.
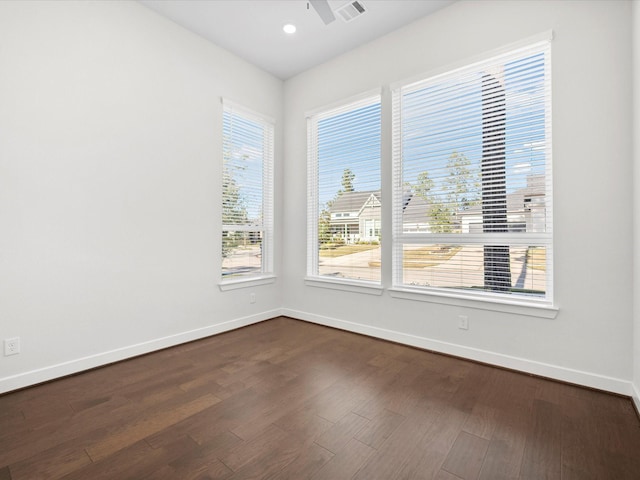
[(286, 399)]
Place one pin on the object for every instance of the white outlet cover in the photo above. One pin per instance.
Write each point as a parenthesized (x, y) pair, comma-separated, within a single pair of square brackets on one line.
[(11, 346)]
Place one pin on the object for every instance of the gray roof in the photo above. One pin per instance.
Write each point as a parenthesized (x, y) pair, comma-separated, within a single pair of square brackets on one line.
[(416, 211), (352, 201), (415, 207), (515, 200)]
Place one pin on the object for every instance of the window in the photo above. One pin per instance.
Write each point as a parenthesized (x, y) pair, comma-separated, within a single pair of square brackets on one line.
[(247, 194), (344, 186), (472, 180)]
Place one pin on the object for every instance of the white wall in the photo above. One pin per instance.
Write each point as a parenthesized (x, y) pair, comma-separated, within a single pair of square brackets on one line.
[(110, 162), (636, 216), (590, 340)]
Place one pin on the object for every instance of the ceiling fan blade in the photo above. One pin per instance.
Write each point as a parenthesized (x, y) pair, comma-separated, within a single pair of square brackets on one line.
[(324, 10)]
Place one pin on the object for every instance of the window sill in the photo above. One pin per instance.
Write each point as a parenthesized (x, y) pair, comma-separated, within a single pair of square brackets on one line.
[(471, 301), (246, 282), (356, 286)]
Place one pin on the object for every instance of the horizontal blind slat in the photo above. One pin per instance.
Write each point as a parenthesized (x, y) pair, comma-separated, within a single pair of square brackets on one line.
[(472, 163), (247, 193), (344, 189)]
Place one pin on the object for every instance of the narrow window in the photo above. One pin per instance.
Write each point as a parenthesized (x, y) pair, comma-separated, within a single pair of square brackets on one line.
[(247, 194), (345, 197), (472, 180)]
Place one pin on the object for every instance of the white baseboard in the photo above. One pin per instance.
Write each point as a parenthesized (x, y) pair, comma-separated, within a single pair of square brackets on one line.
[(636, 396), (577, 377), (34, 377)]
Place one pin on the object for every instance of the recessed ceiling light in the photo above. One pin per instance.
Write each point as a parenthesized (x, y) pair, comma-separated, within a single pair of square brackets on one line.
[(289, 28)]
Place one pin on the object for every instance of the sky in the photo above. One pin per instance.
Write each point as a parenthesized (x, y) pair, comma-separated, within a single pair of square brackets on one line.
[(349, 140), (445, 116), (243, 144), (441, 116)]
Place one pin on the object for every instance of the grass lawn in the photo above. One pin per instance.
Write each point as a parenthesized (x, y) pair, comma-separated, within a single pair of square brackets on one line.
[(537, 258), (425, 256), (346, 250)]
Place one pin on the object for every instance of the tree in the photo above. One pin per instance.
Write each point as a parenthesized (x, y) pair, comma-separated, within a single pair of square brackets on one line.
[(461, 183), (440, 218), (423, 186), (347, 180), (440, 213), (324, 224), (234, 211)]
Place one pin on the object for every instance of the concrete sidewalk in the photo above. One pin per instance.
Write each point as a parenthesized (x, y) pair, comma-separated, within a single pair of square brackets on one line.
[(464, 269)]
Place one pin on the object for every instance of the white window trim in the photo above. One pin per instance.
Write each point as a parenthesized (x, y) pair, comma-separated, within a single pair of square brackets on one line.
[(546, 36), (312, 279), (247, 112), (266, 275), (346, 101), (345, 284), (479, 301), (236, 283), (482, 300)]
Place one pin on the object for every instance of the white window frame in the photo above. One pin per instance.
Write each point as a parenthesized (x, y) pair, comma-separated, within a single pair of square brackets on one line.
[(313, 278), (266, 226), (542, 307)]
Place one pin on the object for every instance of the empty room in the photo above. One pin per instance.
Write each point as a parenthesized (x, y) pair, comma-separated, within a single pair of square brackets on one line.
[(324, 239)]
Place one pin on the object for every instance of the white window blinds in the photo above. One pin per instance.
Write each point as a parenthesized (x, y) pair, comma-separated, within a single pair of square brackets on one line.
[(344, 218), (247, 193), (472, 179)]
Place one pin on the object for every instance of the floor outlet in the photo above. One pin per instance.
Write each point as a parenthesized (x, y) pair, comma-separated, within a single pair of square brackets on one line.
[(11, 346), (463, 322)]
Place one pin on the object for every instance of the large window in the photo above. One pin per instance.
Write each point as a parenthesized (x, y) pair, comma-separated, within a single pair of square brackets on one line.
[(472, 180), (345, 196), (247, 194)]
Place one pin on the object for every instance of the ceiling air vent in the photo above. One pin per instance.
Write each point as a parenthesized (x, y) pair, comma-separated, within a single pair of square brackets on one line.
[(351, 10)]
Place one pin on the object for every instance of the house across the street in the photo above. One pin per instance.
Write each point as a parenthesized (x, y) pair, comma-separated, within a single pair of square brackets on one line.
[(355, 216), (525, 210)]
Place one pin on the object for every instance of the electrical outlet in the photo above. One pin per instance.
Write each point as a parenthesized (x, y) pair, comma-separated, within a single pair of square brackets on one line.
[(11, 346), (463, 322), (252, 297)]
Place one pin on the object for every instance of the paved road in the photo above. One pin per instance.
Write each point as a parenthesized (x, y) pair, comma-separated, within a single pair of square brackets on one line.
[(463, 269), (466, 268), (242, 260)]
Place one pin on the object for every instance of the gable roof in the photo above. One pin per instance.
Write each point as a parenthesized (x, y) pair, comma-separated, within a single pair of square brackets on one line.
[(352, 201), (416, 210)]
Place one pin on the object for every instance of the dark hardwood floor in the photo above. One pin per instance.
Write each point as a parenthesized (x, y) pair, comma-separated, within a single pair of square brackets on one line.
[(285, 399)]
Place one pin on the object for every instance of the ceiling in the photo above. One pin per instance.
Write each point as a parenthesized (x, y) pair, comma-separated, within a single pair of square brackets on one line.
[(252, 29)]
